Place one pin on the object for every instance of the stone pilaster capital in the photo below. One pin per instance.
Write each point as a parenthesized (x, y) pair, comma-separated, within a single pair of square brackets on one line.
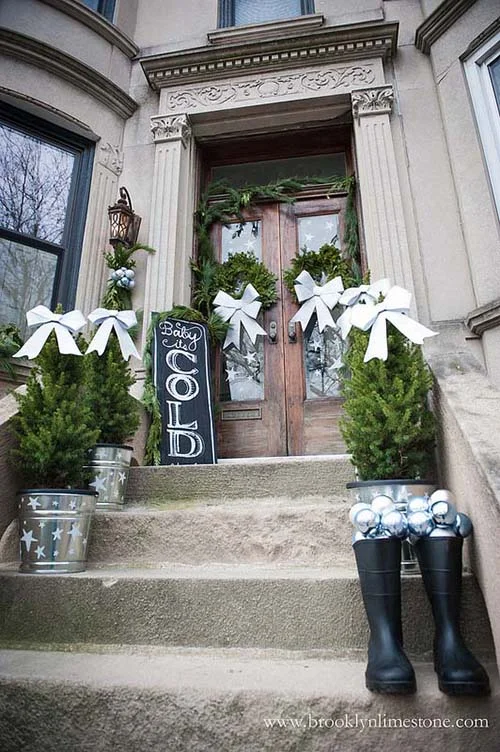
[(171, 128), (111, 157), (377, 100)]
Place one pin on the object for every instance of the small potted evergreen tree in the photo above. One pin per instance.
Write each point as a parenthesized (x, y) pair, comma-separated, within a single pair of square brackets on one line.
[(115, 415), (54, 431)]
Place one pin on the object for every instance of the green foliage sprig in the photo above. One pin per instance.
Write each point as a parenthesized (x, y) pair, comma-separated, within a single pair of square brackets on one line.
[(10, 342), (217, 329), (116, 296), (326, 261), (54, 426), (388, 426)]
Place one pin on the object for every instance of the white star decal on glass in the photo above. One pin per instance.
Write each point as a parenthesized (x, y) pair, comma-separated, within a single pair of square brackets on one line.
[(250, 357), (308, 237), (56, 553), (34, 503), (56, 534), (55, 504), (39, 552), (42, 524), (121, 477), (329, 225), (231, 374), (28, 539), (74, 532), (72, 504), (99, 484)]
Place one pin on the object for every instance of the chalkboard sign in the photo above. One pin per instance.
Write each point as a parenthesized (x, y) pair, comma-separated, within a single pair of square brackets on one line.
[(181, 371)]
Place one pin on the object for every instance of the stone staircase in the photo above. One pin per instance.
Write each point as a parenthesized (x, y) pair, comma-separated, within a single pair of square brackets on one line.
[(221, 611)]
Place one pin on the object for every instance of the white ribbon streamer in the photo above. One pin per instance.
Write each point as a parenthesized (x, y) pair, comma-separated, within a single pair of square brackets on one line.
[(366, 294), (65, 325), (120, 321), (241, 314), (394, 308), (319, 299)]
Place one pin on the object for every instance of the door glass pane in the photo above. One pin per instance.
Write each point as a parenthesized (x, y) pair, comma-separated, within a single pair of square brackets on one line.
[(242, 237), (26, 279), (243, 371), (266, 171), (323, 359), (258, 11), (316, 231), (35, 181), (242, 376)]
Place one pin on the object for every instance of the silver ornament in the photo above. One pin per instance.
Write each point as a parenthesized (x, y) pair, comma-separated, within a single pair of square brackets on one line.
[(442, 494), (378, 533), (420, 523), (130, 273), (366, 520), (119, 273), (463, 525), (395, 523), (442, 532), (357, 536), (382, 503), (355, 509), (443, 512), (114, 275), (131, 283), (418, 504)]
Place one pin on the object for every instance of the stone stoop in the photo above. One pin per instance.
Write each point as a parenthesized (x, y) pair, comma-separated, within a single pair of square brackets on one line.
[(220, 597)]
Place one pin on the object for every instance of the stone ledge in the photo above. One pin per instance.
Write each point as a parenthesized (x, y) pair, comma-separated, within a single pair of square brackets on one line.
[(97, 23), (439, 22), (211, 63), (263, 31), (41, 55), (483, 318)]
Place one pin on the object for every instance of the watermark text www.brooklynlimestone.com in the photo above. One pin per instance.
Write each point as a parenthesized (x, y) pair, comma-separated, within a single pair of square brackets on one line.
[(379, 721)]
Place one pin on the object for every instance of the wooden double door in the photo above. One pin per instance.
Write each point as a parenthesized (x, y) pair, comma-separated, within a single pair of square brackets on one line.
[(281, 395)]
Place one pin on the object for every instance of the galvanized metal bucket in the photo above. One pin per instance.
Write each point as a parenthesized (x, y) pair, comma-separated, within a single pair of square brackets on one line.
[(401, 491), (109, 465), (54, 527)]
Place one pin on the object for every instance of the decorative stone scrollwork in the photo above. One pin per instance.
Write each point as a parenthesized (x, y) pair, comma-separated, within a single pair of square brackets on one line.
[(111, 157), (171, 128), (313, 82), (375, 101)]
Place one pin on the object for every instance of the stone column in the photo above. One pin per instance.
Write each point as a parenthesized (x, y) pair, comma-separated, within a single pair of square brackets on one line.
[(382, 207), (93, 271), (171, 219)]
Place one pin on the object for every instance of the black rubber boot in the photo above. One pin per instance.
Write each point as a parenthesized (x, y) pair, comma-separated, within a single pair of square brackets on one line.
[(459, 673), (379, 561)]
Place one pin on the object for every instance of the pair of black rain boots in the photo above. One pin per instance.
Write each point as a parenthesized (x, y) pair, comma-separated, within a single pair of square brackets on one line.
[(389, 671)]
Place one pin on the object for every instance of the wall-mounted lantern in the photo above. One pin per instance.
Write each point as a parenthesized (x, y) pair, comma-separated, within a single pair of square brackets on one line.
[(124, 223)]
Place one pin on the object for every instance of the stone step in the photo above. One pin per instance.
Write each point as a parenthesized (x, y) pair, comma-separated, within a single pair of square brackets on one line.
[(246, 606), (301, 531), (227, 701), (290, 477)]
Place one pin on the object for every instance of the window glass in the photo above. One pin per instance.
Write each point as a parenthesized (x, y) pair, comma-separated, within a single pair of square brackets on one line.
[(494, 69), (105, 7), (44, 185), (241, 237), (317, 231), (27, 277), (259, 11), (35, 182), (266, 171)]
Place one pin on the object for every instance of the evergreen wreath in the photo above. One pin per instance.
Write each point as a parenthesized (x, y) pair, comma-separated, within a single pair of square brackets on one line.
[(326, 261)]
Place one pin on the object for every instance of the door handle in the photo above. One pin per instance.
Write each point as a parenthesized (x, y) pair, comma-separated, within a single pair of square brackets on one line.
[(273, 332), (292, 331)]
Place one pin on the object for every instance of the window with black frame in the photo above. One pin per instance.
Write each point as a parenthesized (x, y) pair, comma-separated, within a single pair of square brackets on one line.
[(44, 185), (241, 12), (105, 8)]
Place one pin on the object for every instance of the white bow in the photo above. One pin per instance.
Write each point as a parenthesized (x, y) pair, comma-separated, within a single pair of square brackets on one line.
[(366, 294), (241, 314), (63, 324), (120, 321), (319, 299), (394, 308)]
